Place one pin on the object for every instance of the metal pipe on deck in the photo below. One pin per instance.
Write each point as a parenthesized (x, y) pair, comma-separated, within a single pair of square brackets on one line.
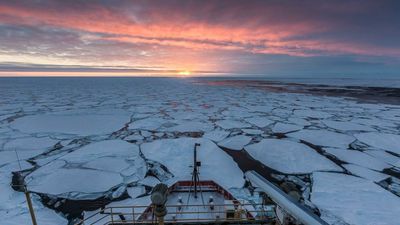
[(291, 206)]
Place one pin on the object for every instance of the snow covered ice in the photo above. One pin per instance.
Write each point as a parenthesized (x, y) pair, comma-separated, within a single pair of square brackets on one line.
[(354, 200), (290, 157), (120, 137)]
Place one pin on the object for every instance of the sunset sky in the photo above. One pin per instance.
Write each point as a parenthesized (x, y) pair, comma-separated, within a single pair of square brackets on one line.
[(269, 38)]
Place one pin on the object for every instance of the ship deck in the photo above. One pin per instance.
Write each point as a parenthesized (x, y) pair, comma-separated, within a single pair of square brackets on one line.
[(184, 208)]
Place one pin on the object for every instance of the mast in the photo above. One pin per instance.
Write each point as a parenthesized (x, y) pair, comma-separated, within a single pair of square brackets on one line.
[(195, 174), (26, 192)]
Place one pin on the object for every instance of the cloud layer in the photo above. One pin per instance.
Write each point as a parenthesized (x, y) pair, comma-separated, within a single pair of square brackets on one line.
[(224, 36)]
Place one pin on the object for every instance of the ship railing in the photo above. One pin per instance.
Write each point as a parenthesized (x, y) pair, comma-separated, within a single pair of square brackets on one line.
[(201, 213)]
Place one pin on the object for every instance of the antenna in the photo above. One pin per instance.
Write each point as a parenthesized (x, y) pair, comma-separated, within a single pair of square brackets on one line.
[(27, 194), (196, 164), (195, 175)]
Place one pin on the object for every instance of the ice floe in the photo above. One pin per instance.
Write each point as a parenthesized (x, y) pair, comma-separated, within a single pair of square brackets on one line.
[(177, 156), (323, 138), (71, 124), (285, 128), (89, 171), (389, 142), (354, 200), (61, 181), (366, 173), (358, 158), (216, 135), (347, 126), (259, 121), (235, 142), (289, 157), (230, 124), (87, 133)]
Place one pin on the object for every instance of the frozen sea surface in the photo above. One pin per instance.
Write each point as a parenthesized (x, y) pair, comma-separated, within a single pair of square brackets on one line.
[(110, 140)]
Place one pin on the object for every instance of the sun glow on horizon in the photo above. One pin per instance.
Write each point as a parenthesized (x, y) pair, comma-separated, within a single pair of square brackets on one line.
[(184, 73)]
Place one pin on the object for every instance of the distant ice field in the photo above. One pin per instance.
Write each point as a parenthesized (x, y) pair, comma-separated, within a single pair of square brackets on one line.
[(115, 138)]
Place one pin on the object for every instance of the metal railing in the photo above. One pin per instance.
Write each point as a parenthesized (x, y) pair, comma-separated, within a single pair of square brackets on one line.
[(252, 213)]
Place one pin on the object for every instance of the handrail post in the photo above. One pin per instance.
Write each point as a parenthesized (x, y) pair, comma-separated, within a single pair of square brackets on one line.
[(133, 214), (112, 216)]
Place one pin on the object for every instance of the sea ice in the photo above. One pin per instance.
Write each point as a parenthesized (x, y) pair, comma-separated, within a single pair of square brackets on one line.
[(230, 124), (113, 148), (309, 113), (384, 156), (290, 157), (147, 124), (365, 172), (358, 158), (216, 135), (110, 164), (190, 126), (323, 138), (347, 126), (259, 121), (104, 162), (90, 124), (285, 128), (389, 142), (63, 181), (354, 200), (235, 142), (177, 156), (252, 131)]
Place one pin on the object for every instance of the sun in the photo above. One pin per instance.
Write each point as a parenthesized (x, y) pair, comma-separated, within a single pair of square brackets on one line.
[(184, 73)]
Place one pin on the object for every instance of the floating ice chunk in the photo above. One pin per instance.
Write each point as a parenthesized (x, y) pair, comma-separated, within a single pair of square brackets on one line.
[(261, 108), (150, 181), (110, 164), (8, 197), (252, 131), (383, 156), (118, 192), (19, 214), (354, 200), (311, 113), (146, 133), (285, 127), (134, 137), (358, 158), (346, 126), (365, 172), (16, 166), (260, 121), (290, 157), (230, 124), (235, 142), (190, 126), (115, 148), (299, 121), (26, 148), (136, 191), (216, 135), (85, 181), (10, 156), (177, 156), (389, 142), (105, 156), (151, 123), (372, 121), (71, 124), (30, 144), (323, 138)]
